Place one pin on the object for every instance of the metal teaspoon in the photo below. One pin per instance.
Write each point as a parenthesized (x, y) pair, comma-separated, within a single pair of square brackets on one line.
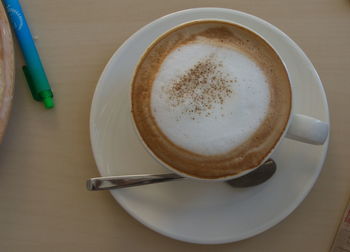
[(256, 177)]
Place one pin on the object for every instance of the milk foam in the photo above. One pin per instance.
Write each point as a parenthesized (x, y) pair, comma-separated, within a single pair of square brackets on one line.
[(222, 127)]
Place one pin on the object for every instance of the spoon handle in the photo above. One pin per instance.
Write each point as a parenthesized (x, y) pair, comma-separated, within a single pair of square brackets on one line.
[(115, 182)]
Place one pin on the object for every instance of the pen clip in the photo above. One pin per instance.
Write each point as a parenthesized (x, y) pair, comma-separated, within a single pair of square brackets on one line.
[(30, 83)]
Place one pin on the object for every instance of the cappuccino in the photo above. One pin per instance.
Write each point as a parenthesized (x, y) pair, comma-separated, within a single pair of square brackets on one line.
[(210, 99)]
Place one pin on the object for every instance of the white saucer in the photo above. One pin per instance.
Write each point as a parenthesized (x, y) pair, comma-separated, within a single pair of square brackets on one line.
[(200, 212)]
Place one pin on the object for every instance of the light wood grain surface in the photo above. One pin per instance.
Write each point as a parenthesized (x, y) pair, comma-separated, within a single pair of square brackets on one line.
[(45, 156)]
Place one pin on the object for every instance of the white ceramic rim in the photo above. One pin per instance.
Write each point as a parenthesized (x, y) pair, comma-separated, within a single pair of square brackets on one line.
[(273, 221)]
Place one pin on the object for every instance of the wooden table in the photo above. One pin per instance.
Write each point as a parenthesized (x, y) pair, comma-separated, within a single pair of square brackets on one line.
[(45, 156)]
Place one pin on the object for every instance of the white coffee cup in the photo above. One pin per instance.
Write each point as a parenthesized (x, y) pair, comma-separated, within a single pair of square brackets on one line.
[(299, 127)]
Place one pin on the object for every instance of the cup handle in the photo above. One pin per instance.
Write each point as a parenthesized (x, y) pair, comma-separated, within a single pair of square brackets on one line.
[(307, 129)]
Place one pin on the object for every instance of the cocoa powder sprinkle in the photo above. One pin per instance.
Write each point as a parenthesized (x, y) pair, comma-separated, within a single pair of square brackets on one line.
[(202, 86)]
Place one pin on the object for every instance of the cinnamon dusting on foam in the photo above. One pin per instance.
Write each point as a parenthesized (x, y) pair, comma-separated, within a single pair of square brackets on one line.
[(202, 86)]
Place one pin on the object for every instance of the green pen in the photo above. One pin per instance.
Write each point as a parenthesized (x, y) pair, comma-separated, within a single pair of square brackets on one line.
[(33, 70)]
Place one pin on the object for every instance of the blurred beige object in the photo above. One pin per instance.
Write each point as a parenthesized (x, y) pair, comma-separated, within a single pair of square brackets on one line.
[(342, 239), (6, 70)]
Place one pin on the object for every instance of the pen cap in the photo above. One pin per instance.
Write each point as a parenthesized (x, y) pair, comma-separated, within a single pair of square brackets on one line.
[(46, 97), (39, 88)]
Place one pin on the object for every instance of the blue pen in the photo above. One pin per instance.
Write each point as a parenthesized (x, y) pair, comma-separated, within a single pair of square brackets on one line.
[(33, 70)]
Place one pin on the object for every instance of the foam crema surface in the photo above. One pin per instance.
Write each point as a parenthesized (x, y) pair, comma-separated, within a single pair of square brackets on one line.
[(210, 99)]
